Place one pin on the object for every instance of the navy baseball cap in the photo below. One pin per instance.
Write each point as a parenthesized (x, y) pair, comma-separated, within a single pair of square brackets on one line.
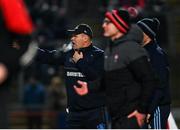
[(82, 28)]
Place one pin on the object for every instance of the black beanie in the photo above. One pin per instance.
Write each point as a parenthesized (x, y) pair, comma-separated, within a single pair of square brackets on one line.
[(120, 18), (149, 26)]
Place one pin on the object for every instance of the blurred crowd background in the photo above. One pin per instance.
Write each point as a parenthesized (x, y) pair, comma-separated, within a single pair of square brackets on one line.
[(41, 87)]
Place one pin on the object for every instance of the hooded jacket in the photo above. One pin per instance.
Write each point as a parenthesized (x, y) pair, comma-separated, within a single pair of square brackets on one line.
[(129, 77)]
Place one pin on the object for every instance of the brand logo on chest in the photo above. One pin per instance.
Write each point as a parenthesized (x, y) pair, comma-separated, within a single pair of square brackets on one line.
[(116, 57), (74, 74)]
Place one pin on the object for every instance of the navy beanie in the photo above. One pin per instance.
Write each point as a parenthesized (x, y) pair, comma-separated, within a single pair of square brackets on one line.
[(149, 26)]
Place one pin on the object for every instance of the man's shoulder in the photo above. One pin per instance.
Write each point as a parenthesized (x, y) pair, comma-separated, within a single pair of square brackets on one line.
[(97, 50), (69, 52), (132, 50), (132, 46)]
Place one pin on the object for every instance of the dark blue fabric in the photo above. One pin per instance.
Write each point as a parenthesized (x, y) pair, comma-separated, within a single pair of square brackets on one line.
[(89, 69), (160, 118), (34, 96), (160, 64), (89, 119)]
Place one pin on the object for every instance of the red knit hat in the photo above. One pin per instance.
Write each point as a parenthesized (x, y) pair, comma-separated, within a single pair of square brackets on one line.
[(120, 18)]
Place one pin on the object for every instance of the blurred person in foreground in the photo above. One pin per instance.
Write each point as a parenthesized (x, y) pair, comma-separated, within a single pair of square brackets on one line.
[(16, 28), (34, 102), (83, 62), (129, 78), (57, 102), (160, 107)]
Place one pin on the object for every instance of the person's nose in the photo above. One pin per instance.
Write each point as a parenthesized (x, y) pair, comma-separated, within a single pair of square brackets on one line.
[(103, 25)]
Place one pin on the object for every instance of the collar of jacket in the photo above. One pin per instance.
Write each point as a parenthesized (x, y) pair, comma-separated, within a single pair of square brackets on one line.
[(151, 45), (134, 34), (117, 41), (86, 48)]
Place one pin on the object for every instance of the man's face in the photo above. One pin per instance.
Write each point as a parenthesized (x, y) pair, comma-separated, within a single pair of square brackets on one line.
[(110, 29), (78, 41), (145, 39)]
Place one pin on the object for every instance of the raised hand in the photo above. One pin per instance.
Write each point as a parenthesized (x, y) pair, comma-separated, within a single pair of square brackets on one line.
[(77, 56)]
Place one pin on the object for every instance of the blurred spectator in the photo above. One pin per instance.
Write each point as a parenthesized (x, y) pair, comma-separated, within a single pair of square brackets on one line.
[(78, 7), (125, 4), (103, 6), (16, 28), (50, 18), (134, 7), (4, 99), (144, 8), (159, 9), (156, 5), (34, 101), (57, 102)]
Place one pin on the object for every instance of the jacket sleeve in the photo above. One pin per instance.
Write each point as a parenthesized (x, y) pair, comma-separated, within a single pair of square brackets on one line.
[(155, 101), (163, 75), (161, 66), (50, 57), (143, 72), (93, 70)]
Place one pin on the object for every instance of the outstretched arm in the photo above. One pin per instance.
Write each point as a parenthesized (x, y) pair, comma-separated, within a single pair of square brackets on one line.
[(50, 57)]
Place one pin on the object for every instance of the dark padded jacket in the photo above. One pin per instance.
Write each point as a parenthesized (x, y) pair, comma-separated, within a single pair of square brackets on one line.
[(89, 69), (129, 77)]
